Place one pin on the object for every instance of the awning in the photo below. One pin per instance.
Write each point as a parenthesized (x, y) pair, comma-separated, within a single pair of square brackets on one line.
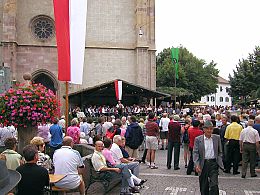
[(104, 94), (196, 104)]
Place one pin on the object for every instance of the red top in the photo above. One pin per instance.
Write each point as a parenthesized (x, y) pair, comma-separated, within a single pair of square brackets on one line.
[(152, 128), (174, 133), (193, 133)]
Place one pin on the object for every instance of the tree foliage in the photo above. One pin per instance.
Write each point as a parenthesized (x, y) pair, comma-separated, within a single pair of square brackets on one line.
[(245, 81), (196, 77)]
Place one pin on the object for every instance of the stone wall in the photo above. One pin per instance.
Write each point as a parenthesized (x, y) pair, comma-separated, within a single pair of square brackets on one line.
[(103, 65), (1, 21), (114, 49), (26, 11), (1, 32)]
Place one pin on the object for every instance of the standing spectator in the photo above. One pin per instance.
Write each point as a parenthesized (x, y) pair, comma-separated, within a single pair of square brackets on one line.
[(120, 108), (85, 128), (56, 137), (152, 134), (117, 124), (13, 159), (68, 162), (207, 156), (124, 124), (34, 177), (257, 127), (249, 144), (44, 132), (107, 125), (222, 132), (194, 132), (185, 140), (73, 131), (164, 122), (218, 120), (257, 124), (174, 140), (232, 134), (62, 123), (134, 138), (6, 132), (98, 126), (142, 125)]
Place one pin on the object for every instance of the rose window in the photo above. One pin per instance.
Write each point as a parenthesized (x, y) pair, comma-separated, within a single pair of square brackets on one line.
[(42, 28)]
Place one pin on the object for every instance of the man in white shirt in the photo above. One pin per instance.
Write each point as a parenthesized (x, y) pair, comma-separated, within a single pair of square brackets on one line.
[(118, 156), (62, 123), (164, 122), (249, 145), (68, 162)]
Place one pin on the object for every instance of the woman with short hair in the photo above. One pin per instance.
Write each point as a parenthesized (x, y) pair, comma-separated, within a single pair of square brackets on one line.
[(44, 159)]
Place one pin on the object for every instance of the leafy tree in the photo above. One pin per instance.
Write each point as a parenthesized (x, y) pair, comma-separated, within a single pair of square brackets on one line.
[(196, 77), (245, 83)]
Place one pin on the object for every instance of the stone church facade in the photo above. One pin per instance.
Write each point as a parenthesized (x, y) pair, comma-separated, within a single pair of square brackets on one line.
[(114, 49)]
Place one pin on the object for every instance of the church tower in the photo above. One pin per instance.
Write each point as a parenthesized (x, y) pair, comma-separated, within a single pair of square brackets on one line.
[(120, 42)]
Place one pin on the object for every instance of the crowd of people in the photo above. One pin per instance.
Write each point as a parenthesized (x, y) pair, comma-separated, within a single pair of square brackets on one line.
[(211, 137)]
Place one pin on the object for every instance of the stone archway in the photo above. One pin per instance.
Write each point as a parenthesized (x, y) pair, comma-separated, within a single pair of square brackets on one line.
[(46, 78)]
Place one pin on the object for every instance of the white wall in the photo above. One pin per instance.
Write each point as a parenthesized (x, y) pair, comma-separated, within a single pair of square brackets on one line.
[(215, 99)]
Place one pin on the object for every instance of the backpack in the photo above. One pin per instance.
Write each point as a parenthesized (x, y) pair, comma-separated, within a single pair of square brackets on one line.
[(110, 133), (185, 137)]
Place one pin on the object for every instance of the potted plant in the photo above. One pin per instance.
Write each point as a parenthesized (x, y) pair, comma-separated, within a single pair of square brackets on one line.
[(24, 107)]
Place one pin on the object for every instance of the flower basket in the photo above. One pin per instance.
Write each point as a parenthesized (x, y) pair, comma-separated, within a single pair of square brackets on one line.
[(26, 106)]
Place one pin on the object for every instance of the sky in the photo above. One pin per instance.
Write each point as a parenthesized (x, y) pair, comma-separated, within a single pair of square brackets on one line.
[(220, 30)]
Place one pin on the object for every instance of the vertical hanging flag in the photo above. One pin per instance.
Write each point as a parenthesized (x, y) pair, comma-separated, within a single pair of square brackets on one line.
[(70, 24), (118, 89), (175, 61)]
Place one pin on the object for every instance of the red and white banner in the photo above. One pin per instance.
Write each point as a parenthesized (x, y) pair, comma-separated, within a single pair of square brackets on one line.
[(70, 24), (118, 89)]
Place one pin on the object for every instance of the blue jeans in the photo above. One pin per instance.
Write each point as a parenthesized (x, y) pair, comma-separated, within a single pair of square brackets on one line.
[(134, 167)]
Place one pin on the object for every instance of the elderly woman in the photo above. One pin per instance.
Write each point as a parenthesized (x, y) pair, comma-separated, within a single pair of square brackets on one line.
[(12, 158), (44, 160), (74, 131)]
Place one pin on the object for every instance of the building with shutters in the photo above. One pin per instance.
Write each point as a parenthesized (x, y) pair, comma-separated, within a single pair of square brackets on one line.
[(221, 97)]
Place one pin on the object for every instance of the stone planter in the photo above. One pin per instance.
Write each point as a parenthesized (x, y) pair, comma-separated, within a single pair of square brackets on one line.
[(25, 134)]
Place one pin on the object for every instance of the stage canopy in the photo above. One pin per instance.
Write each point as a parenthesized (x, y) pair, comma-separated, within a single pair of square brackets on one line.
[(104, 94)]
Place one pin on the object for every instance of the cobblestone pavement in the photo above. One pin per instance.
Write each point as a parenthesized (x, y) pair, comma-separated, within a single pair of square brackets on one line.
[(162, 181), (171, 182)]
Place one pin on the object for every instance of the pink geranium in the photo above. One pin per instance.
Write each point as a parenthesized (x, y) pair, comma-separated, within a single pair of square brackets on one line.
[(27, 105)]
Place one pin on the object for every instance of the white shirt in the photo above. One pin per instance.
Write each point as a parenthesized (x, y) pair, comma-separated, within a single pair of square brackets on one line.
[(6, 132), (116, 153), (66, 162), (250, 135), (209, 149), (164, 122)]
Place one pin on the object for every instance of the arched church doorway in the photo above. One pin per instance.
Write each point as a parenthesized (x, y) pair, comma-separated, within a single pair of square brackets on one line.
[(45, 80)]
